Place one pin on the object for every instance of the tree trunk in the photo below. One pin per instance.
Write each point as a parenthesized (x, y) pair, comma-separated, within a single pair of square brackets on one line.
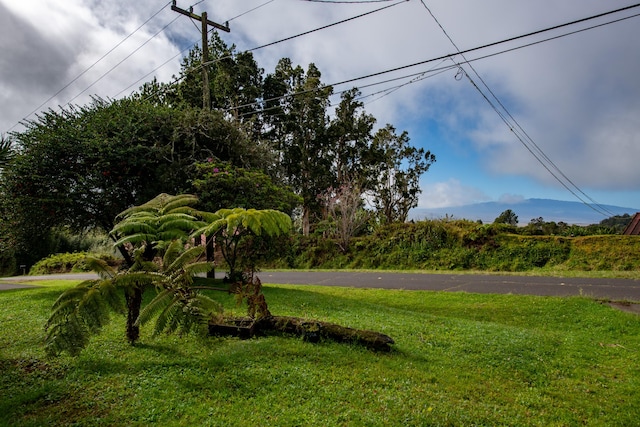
[(134, 302), (309, 330), (306, 228), (210, 252)]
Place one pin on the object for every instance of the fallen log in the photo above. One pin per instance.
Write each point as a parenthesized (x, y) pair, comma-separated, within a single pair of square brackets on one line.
[(309, 330)]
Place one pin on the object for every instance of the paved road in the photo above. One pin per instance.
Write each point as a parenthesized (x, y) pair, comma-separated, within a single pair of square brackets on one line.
[(614, 289)]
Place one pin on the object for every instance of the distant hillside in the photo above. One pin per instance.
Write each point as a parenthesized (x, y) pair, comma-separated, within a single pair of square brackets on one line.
[(549, 210)]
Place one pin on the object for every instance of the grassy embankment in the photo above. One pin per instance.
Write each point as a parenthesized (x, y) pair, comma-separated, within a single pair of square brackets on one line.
[(460, 359), (464, 246)]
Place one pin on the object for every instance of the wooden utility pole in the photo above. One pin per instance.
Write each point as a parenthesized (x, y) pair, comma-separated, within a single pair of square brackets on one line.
[(206, 95)]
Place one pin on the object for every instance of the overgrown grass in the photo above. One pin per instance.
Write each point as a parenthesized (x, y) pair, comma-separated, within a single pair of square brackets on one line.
[(460, 359), (463, 245)]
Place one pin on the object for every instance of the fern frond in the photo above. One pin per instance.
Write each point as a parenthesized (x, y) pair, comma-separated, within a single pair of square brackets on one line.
[(172, 251), (79, 313), (185, 258), (94, 311), (208, 217), (161, 301), (212, 228), (208, 305), (70, 295), (136, 279), (138, 226), (179, 201), (135, 239), (70, 336), (193, 269), (99, 266), (251, 221), (174, 216), (168, 318)]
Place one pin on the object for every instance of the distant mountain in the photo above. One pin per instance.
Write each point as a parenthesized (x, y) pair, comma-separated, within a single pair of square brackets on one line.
[(549, 210)]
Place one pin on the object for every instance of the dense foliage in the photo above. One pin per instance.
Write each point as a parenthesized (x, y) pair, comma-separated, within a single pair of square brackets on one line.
[(221, 185), (465, 245), (80, 167)]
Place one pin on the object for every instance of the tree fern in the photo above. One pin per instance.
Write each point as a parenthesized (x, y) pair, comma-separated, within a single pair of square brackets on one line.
[(232, 225), (156, 228)]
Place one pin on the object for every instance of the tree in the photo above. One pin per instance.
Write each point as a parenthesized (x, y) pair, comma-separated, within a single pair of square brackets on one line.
[(235, 80), (395, 185), (220, 184), (349, 141), (507, 217), (231, 228), (345, 210), (84, 310), (144, 232), (80, 167), (295, 107), (163, 228)]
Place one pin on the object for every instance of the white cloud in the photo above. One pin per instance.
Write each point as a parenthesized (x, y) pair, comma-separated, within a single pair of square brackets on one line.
[(511, 198), (450, 194)]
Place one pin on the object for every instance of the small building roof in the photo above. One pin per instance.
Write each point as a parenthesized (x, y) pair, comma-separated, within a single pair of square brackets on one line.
[(633, 228)]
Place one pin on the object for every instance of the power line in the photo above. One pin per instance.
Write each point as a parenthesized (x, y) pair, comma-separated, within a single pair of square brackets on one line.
[(120, 62), (272, 43), (525, 136), (348, 2), (251, 10), (91, 66), (452, 55), (324, 27), (440, 69)]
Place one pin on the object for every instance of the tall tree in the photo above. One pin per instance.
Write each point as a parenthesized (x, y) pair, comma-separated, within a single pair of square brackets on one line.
[(235, 80), (350, 134), (296, 105), (396, 189)]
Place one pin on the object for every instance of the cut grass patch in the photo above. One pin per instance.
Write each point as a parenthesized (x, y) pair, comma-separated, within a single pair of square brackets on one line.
[(459, 359)]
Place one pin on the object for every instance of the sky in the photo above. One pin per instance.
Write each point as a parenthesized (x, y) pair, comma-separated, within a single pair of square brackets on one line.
[(571, 101)]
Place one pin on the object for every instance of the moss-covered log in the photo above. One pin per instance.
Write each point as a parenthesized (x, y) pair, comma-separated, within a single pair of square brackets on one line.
[(309, 330)]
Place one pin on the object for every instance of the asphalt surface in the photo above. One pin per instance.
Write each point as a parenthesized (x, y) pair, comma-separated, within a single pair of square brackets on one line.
[(613, 289)]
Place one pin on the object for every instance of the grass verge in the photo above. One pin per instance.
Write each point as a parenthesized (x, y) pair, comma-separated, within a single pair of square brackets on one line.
[(460, 359)]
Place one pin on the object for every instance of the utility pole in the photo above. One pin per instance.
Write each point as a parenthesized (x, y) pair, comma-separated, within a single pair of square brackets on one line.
[(206, 95)]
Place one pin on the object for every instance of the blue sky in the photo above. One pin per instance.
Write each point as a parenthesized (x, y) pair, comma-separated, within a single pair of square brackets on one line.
[(577, 97)]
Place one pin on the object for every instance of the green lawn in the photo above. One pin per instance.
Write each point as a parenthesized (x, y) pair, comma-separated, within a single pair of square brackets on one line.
[(459, 359)]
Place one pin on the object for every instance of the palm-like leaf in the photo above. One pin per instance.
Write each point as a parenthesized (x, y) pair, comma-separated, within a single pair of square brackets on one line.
[(81, 312), (162, 219)]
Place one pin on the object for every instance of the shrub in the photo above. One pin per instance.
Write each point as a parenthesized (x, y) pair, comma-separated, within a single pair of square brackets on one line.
[(68, 262)]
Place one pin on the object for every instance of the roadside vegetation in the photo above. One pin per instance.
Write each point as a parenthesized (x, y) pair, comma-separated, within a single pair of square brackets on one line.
[(440, 245), (460, 245)]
